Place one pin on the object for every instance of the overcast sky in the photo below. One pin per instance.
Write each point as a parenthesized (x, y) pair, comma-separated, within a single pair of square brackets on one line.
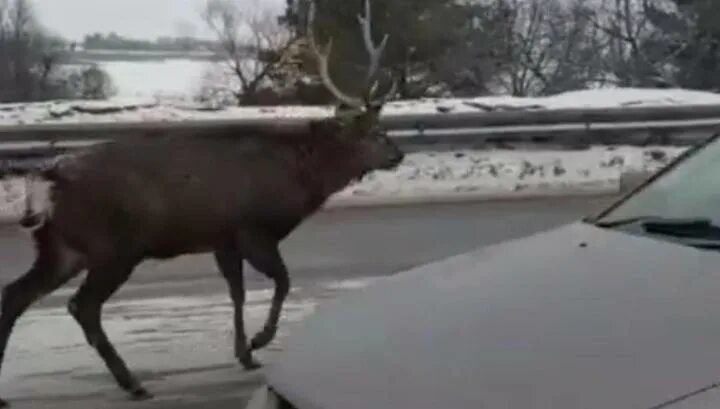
[(132, 18)]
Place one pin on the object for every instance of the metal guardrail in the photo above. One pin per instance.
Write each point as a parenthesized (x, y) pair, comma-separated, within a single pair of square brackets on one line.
[(653, 117), (568, 127)]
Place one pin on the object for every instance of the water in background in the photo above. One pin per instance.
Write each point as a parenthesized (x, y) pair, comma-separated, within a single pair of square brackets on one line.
[(157, 78)]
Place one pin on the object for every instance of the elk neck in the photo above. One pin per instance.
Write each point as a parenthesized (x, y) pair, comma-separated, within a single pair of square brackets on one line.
[(327, 166)]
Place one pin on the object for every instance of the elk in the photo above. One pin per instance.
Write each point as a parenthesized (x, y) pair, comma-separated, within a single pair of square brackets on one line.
[(234, 194)]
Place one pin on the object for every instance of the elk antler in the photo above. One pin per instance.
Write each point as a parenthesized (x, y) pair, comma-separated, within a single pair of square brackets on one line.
[(375, 53), (323, 57)]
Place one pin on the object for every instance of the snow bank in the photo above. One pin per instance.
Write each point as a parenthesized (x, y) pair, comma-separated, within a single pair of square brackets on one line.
[(596, 98), (505, 174), (471, 173), (156, 109)]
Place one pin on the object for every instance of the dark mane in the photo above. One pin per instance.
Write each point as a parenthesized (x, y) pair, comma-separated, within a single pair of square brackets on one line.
[(314, 132)]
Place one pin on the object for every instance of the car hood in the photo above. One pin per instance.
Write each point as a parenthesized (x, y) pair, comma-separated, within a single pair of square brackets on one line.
[(575, 317)]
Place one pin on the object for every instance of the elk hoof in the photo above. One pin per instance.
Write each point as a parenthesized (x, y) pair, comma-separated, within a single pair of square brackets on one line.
[(4, 403), (261, 339), (140, 393), (250, 364)]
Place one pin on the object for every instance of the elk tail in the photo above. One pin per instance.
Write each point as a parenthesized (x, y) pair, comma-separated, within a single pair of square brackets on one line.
[(38, 201)]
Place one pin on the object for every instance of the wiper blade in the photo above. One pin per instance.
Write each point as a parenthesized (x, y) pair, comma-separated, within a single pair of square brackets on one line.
[(701, 232), (658, 221), (687, 396), (690, 228), (702, 244)]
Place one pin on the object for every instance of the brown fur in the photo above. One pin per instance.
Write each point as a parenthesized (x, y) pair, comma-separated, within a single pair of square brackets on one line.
[(187, 192)]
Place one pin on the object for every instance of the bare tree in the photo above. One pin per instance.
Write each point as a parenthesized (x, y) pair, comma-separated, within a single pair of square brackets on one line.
[(550, 46), (90, 82), (467, 63), (634, 54), (527, 48), (687, 43), (16, 36), (255, 45), (31, 60)]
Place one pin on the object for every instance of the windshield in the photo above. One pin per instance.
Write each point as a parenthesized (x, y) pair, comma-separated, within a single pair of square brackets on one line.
[(691, 190)]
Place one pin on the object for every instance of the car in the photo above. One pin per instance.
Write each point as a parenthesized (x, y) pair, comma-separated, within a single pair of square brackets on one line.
[(618, 310)]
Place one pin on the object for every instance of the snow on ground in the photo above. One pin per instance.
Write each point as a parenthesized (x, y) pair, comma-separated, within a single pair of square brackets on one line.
[(503, 172), (156, 109), (474, 173), (48, 359), (596, 98)]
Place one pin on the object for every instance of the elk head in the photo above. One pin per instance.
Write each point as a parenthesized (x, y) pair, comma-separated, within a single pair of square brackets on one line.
[(357, 119)]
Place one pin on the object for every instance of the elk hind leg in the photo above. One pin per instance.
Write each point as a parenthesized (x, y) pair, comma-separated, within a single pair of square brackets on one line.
[(55, 264)]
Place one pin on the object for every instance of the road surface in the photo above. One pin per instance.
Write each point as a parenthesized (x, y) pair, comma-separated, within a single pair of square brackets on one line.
[(172, 321)]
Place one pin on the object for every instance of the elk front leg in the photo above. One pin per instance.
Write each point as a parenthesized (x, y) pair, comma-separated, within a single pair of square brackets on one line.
[(86, 306), (264, 256), (229, 262)]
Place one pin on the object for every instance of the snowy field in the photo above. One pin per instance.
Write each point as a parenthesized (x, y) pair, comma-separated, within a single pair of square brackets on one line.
[(171, 77), (164, 90), (467, 174), (147, 108), (181, 79)]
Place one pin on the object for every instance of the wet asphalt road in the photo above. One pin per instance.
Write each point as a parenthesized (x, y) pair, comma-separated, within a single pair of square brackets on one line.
[(164, 320)]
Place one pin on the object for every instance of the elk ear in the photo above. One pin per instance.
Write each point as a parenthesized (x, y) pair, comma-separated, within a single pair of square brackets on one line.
[(345, 112), (375, 109), (371, 119)]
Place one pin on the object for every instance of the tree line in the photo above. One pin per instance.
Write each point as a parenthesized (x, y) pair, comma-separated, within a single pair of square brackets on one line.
[(479, 47), (436, 48), (114, 41)]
